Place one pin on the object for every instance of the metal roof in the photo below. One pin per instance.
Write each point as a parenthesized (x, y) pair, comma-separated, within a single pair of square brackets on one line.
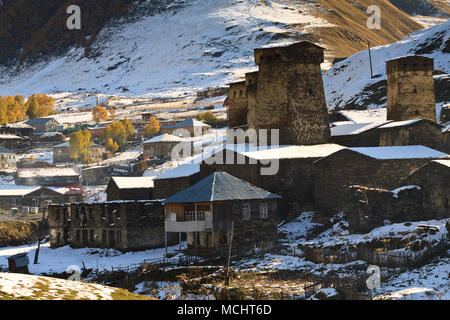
[(5, 150), (187, 123), (220, 186), (37, 121)]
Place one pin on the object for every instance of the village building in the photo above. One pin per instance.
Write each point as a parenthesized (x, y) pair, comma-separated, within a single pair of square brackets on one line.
[(43, 125), (18, 129), (237, 105), (293, 101), (434, 180), (162, 146), (208, 210), (351, 134), (372, 167), (251, 81), (12, 141), (146, 116), (121, 225), (7, 159), (445, 114), (176, 180), (28, 197), (130, 188), (61, 153), (410, 89), (50, 176), (412, 132), (285, 170), (194, 127)]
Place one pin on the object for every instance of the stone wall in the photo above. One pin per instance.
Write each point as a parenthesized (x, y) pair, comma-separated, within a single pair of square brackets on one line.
[(122, 225), (369, 138), (237, 109), (410, 91), (164, 188), (425, 133), (434, 179), (334, 175)]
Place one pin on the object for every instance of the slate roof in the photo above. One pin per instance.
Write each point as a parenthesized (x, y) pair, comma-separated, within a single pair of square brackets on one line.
[(187, 123), (220, 186)]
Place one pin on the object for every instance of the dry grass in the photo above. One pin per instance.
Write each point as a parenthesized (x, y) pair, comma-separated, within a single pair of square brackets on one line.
[(351, 34)]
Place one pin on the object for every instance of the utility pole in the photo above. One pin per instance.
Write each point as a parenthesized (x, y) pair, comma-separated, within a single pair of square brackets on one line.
[(370, 60), (36, 255), (227, 276)]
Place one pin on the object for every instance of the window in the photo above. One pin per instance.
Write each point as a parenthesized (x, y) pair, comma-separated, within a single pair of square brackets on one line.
[(91, 235), (246, 211), (104, 235), (119, 236), (264, 211)]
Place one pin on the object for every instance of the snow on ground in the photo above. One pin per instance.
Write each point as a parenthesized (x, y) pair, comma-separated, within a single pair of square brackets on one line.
[(59, 259), (429, 282), (206, 43), (42, 154)]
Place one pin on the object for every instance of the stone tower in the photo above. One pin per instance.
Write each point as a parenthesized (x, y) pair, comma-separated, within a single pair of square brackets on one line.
[(410, 89), (290, 94), (251, 79), (237, 105)]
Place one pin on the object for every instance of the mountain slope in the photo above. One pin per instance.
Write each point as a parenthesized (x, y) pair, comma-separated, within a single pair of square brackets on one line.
[(194, 44), (348, 84)]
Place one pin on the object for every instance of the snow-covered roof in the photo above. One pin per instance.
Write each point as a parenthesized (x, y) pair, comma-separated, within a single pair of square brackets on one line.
[(349, 128), (47, 172), (61, 145), (9, 137), (15, 190), (164, 137), (133, 182), (446, 129), (185, 170), (444, 162), (295, 152), (399, 152), (400, 123)]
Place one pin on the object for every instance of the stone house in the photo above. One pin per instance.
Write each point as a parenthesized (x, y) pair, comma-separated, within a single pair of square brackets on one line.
[(194, 127), (373, 167), (410, 89), (50, 176), (13, 196), (18, 129), (412, 132), (121, 225), (162, 146), (445, 114), (208, 210), (292, 177), (42, 125), (176, 180), (351, 134), (7, 159), (11, 141), (130, 188), (434, 180)]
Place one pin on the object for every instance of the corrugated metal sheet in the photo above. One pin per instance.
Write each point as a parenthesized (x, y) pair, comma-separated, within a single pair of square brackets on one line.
[(220, 186)]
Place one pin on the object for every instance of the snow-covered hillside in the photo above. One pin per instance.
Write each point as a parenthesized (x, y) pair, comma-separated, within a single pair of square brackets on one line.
[(206, 43), (348, 83)]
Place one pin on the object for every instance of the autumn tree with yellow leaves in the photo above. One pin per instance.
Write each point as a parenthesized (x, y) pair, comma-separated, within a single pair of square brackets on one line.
[(80, 141), (99, 114), (153, 127)]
